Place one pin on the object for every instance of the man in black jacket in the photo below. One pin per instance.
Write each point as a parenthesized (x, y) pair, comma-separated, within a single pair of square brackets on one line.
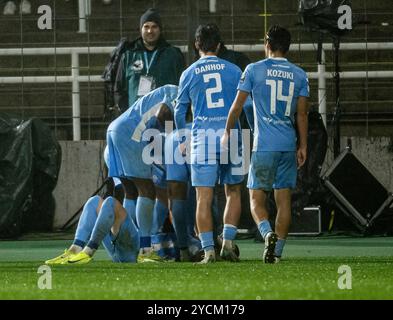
[(149, 63)]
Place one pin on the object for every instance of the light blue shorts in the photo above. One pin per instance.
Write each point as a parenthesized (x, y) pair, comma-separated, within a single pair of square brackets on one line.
[(208, 175), (125, 157), (175, 170), (125, 246), (159, 175), (272, 170), (178, 172)]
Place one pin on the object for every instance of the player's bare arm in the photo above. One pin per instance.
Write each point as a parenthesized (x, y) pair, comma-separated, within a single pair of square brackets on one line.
[(302, 126), (234, 113)]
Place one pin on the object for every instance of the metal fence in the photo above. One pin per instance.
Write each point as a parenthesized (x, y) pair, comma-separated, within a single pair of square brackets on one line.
[(54, 73)]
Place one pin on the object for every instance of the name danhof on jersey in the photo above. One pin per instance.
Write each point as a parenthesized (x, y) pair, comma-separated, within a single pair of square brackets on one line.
[(280, 74), (210, 67)]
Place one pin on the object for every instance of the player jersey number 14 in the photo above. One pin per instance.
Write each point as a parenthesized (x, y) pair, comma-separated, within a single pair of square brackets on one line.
[(216, 89), (276, 94)]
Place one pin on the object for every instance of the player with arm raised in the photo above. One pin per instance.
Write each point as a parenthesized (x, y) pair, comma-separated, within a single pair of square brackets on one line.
[(279, 89)]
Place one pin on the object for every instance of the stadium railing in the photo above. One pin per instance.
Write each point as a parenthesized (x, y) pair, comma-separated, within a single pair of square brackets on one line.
[(75, 78)]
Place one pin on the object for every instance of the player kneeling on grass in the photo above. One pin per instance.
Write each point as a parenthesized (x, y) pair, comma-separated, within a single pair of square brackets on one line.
[(106, 222)]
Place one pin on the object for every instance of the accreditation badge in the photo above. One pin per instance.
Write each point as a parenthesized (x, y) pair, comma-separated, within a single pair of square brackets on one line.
[(146, 85)]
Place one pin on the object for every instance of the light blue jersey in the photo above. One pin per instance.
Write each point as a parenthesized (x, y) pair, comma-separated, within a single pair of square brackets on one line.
[(125, 134), (116, 181), (248, 110), (275, 85), (142, 114), (209, 85), (177, 168), (158, 167)]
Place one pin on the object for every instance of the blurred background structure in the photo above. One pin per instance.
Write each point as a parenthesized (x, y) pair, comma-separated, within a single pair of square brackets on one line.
[(53, 52), (46, 73)]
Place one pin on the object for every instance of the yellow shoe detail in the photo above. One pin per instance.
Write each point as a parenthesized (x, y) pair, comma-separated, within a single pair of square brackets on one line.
[(80, 258), (62, 258)]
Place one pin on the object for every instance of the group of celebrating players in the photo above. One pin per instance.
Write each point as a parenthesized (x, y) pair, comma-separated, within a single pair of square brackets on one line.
[(173, 145)]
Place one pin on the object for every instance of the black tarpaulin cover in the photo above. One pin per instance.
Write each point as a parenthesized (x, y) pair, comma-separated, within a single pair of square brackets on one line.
[(30, 159)]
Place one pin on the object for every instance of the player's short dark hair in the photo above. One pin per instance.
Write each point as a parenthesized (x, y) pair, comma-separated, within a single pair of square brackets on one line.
[(207, 37), (278, 38)]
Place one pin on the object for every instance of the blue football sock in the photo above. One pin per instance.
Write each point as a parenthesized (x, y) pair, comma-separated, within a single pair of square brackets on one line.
[(279, 247), (192, 241), (104, 223), (229, 232), (264, 228), (160, 213), (179, 215), (207, 240), (145, 242), (216, 218), (144, 217), (190, 210), (130, 206), (86, 221)]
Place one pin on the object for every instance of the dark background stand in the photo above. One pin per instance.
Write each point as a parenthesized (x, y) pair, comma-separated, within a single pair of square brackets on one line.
[(337, 111), (353, 190)]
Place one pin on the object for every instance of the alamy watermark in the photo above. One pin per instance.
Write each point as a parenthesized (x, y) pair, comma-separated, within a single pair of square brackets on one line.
[(201, 146), (345, 280), (44, 22), (345, 20), (45, 281)]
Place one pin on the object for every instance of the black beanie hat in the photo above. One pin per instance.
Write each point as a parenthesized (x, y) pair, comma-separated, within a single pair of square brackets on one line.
[(151, 15)]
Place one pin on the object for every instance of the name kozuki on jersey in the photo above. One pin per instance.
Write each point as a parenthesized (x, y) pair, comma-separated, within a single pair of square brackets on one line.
[(280, 74)]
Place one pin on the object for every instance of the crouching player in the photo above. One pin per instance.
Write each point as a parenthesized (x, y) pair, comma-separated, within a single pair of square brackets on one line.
[(128, 142), (106, 222)]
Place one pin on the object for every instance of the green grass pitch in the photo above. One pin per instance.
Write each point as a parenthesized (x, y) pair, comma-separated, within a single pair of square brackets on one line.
[(309, 271)]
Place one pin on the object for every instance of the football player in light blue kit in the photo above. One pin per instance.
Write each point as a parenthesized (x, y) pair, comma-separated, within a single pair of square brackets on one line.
[(102, 221), (279, 89), (181, 196), (128, 138), (163, 239), (162, 242), (209, 85)]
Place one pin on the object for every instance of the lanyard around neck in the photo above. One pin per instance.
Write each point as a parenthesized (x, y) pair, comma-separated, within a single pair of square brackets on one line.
[(149, 64)]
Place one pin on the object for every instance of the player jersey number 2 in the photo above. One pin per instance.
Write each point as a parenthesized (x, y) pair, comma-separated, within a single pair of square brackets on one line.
[(216, 77), (276, 94)]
